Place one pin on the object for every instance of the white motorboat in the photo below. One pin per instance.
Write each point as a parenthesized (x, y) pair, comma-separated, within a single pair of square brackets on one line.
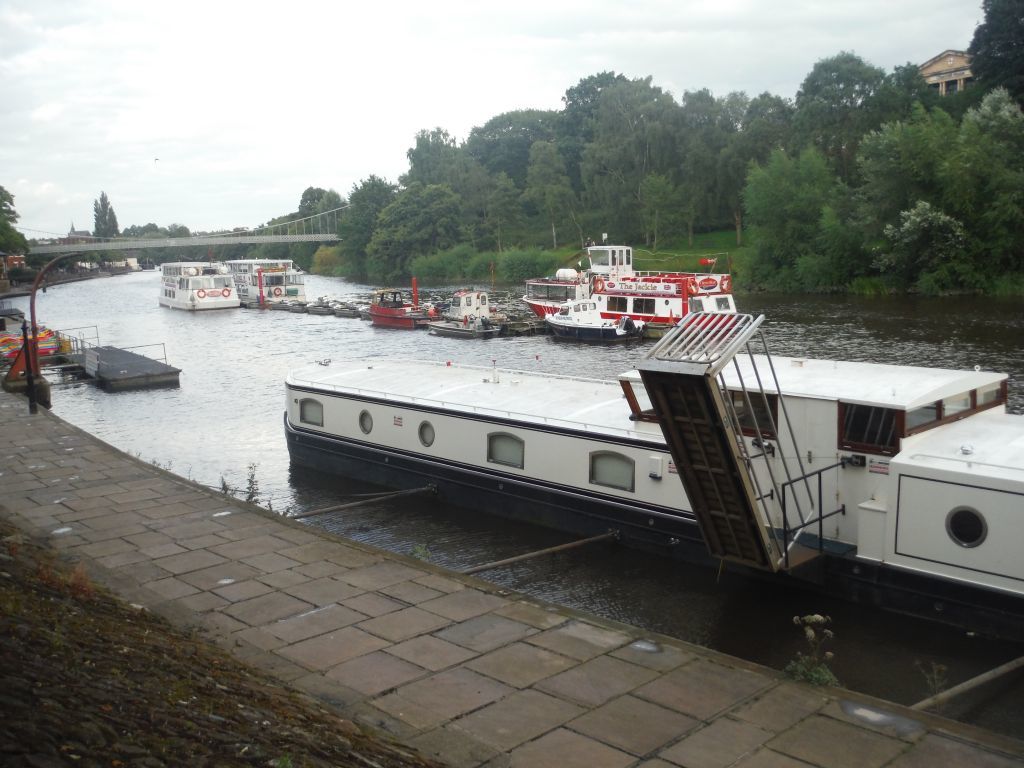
[(898, 485), (261, 282), (583, 321), (197, 285)]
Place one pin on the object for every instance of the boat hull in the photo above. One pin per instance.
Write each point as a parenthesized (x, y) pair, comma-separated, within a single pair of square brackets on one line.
[(664, 531), (459, 331), (608, 334)]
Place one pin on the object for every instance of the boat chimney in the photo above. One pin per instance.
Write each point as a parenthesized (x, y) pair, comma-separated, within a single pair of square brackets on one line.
[(415, 293)]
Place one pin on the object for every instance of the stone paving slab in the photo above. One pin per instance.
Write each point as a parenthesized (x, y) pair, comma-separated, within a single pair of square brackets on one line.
[(461, 670)]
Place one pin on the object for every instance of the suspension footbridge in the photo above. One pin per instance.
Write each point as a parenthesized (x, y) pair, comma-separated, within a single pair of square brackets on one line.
[(320, 227)]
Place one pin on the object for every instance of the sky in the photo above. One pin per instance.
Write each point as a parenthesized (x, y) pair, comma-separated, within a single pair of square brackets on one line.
[(219, 114)]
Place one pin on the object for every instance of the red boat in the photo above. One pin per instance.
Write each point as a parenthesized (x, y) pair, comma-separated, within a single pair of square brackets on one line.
[(389, 309)]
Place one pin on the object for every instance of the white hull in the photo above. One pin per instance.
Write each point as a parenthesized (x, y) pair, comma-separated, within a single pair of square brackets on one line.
[(196, 286), (267, 281)]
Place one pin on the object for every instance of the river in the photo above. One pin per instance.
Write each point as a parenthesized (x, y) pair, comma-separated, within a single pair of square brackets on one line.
[(226, 418)]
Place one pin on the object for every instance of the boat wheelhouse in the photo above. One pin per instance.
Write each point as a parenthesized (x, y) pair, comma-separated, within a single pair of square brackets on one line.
[(197, 285), (470, 315), (898, 485), (267, 281), (390, 309)]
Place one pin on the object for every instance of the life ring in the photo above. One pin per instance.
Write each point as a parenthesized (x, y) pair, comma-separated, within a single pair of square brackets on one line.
[(598, 284), (201, 293), (726, 284), (277, 291), (692, 288), (226, 293)]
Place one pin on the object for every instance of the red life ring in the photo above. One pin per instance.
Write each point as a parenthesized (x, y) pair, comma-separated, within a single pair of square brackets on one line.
[(598, 284), (692, 288), (226, 293), (201, 293), (726, 284), (277, 291)]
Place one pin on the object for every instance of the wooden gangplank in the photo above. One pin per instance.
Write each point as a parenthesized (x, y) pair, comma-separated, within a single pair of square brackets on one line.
[(680, 375)]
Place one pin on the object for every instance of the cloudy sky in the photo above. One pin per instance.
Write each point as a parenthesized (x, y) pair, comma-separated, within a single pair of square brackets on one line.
[(218, 114)]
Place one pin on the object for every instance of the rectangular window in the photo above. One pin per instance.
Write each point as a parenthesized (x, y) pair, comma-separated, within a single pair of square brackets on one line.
[(991, 394), (723, 304), (311, 412), (922, 416), (503, 448), (643, 306), (613, 470), (617, 303), (952, 406), (760, 419), (868, 428)]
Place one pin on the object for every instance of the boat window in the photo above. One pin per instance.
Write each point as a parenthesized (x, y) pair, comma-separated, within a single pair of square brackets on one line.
[(613, 470), (365, 422), (966, 526), (643, 306), (696, 305), (426, 433), (311, 412), (503, 448), (723, 304), (761, 418), (952, 406), (483, 301), (921, 416), (868, 428), (617, 303), (991, 394)]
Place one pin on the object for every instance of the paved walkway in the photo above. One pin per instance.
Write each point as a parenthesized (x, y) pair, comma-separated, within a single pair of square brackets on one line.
[(457, 668)]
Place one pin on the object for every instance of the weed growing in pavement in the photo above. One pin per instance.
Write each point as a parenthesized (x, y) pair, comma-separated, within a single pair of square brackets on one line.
[(934, 676), (813, 667), (420, 552), (252, 485)]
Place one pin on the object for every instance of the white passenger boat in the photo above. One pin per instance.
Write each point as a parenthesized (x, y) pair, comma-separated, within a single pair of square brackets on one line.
[(897, 485), (655, 298), (261, 282), (196, 285)]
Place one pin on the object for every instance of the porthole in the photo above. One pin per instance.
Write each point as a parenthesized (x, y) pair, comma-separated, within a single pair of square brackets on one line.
[(426, 433), (365, 422), (966, 526)]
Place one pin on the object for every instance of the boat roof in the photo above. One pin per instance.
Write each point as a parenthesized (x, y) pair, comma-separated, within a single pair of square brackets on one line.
[(989, 444), (546, 400), (903, 387)]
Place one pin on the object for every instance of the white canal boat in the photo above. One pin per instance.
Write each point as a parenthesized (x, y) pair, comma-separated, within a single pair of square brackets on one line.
[(196, 285), (261, 282), (896, 485)]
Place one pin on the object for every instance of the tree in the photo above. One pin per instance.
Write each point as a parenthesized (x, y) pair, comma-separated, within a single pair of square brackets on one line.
[(422, 219), (835, 107), (503, 209), (310, 201), (575, 126), (784, 201), (997, 49), (11, 240), (636, 128), (924, 250), (502, 144), (104, 218), (359, 220), (432, 159), (548, 187), (658, 201)]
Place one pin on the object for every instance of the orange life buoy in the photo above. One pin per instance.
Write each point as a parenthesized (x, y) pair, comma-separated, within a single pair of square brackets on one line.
[(201, 293), (726, 284), (277, 291), (692, 288), (226, 293), (598, 284)]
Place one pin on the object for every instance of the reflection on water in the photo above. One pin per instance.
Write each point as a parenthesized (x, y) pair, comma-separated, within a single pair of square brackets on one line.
[(227, 415)]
